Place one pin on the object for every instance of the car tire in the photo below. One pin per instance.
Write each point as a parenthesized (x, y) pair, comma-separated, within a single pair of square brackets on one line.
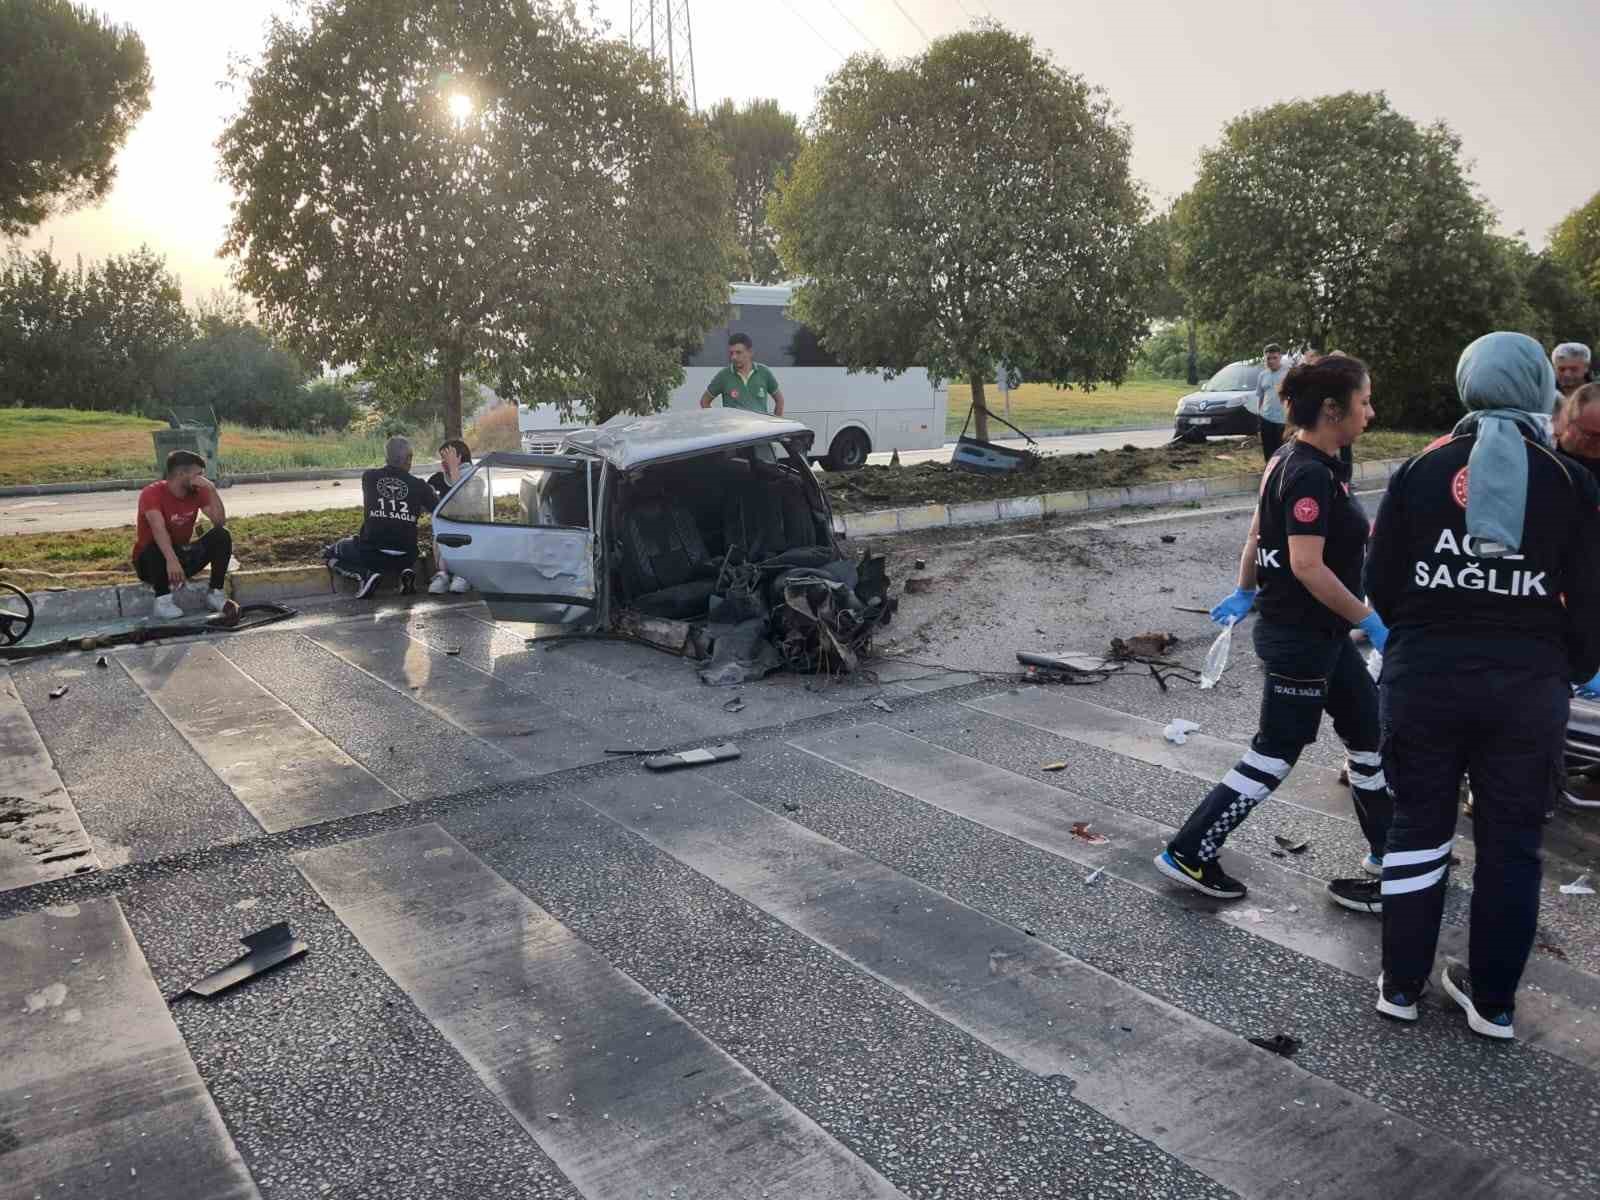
[(848, 451)]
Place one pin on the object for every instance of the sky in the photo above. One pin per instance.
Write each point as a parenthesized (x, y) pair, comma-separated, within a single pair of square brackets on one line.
[(1509, 79)]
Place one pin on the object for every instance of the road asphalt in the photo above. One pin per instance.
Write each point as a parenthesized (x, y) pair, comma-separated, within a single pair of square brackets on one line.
[(109, 510), (909, 944)]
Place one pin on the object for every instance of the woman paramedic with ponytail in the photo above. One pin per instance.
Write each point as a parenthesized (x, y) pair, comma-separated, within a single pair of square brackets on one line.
[(1486, 560), (1301, 568)]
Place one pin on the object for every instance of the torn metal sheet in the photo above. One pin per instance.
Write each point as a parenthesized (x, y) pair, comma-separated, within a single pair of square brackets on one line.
[(268, 948), (697, 757)]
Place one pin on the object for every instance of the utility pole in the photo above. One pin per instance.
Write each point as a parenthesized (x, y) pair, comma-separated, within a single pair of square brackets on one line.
[(662, 30)]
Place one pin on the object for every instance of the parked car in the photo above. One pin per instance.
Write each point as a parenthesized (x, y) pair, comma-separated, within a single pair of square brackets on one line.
[(1224, 406), (1583, 752)]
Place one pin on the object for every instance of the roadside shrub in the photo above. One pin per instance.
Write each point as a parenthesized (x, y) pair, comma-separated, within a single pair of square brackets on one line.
[(496, 429)]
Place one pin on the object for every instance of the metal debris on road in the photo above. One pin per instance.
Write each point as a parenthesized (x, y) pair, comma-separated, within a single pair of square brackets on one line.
[(1279, 1043), (920, 564), (1094, 876), (693, 758), (452, 651), (629, 750), (1178, 730), (918, 584), (1578, 887), (737, 704), (1144, 646), (1289, 844), (1081, 832), (882, 705), (101, 661), (1054, 766), (1169, 538), (268, 948), (60, 692)]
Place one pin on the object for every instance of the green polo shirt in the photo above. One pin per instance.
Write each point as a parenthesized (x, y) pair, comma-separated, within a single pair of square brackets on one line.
[(754, 392)]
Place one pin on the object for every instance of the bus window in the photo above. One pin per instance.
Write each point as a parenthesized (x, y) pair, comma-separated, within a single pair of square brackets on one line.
[(778, 340)]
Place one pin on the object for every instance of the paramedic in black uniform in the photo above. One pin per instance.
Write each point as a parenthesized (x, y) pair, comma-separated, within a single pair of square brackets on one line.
[(1486, 562), (1305, 549)]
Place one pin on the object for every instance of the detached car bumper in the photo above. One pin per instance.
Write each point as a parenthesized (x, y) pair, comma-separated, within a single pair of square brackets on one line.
[(1228, 422)]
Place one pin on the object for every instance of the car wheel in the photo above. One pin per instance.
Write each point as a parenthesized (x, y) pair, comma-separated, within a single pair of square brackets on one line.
[(848, 452)]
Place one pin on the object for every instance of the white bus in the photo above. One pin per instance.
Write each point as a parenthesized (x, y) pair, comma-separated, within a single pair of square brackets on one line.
[(851, 415)]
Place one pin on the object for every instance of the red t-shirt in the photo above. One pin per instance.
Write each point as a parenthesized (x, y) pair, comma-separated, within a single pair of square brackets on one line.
[(179, 512)]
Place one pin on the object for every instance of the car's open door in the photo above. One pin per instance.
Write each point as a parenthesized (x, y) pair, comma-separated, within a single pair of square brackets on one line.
[(520, 528)]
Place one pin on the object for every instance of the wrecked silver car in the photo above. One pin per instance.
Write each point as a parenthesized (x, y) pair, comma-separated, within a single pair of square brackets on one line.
[(1583, 753), (702, 532)]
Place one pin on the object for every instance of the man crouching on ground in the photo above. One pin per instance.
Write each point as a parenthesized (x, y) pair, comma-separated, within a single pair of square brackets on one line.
[(393, 500), (165, 552)]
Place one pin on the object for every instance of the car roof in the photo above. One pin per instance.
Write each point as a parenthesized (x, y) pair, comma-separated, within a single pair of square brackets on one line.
[(628, 441)]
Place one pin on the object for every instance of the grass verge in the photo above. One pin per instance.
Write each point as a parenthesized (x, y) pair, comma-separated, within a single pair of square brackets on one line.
[(1039, 407)]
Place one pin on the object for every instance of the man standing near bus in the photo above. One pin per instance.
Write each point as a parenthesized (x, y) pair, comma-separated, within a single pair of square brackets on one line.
[(744, 383)]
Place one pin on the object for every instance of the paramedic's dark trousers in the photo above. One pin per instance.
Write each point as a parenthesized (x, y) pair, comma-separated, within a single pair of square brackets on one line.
[(1507, 735), (1307, 673), (215, 547), (352, 556)]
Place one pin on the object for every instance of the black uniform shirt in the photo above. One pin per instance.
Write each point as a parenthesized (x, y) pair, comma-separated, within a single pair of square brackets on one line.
[(1306, 493), (393, 502), (1452, 605)]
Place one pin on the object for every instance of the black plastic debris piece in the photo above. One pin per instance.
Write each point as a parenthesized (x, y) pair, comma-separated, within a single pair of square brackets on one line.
[(1289, 844), (623, 751), (267, 948), (1169, 538), (920, 564), (735, 705), (1279, 1043), (693, 758), (101, 662), (59, 692)]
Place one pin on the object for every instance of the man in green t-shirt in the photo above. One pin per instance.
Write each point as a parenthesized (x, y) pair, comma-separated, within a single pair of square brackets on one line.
[(744, 383)]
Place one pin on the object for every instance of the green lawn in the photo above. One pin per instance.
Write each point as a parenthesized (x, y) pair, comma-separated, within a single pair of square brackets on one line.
[(1039, 407)]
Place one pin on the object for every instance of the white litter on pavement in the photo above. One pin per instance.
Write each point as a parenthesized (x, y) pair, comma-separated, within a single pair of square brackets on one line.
[(1178, 730), (1578, 887)]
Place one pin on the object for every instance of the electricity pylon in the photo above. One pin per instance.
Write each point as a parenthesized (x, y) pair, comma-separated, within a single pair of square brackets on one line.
[(661, 29)]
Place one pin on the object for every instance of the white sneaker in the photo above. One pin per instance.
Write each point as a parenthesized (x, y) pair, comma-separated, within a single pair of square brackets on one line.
[(216, 599), (460, 586), (166, 609), (438, 584)]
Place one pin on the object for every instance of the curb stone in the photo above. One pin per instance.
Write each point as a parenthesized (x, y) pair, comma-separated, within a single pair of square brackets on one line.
[(882, 521)]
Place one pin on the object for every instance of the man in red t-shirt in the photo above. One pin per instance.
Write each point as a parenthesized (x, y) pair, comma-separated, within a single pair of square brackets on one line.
[(165, 552)]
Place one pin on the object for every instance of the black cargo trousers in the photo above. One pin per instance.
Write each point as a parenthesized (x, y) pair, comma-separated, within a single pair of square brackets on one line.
[(1506, 731), (1308, 672)]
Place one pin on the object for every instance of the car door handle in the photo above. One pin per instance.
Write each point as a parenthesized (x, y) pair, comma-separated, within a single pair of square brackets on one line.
[(453, 539)]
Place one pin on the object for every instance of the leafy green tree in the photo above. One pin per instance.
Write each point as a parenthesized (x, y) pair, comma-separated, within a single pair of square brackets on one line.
[(234, 367), (761, 142), (98, 337), (1575, 243), (72, 86), (1556, 306), (1339, 223), (481, 187), (945, 222)]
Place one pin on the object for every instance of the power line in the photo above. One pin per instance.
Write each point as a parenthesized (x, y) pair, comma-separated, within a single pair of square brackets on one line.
[(914, 24), (833, 5), (814, 31)]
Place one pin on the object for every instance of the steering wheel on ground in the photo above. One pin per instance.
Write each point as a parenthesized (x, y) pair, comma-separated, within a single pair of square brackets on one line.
[(16, 614)]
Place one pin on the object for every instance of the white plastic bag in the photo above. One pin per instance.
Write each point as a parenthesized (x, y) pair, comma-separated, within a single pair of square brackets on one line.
[(1375, 664), (1217, 657)]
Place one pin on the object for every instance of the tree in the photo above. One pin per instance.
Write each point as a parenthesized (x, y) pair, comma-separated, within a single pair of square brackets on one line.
[(942, 221), (761, 142), (1339, 223), (1557, 307), (235, 368), (1168, 301), (72, 86), (98, 337), (1575, 243), (480, 187)]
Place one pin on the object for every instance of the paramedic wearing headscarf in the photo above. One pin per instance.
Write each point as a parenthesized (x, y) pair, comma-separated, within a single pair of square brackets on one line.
[(1485, 563), (1304, 549)]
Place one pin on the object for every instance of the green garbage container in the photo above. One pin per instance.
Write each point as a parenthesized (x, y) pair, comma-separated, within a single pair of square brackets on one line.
[(193, 429)]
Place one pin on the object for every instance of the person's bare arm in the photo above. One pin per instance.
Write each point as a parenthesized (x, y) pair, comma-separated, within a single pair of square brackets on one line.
[(777, 403), (211, 502), (1247, 559), (163, 541), (1305, 560), (705, 399)]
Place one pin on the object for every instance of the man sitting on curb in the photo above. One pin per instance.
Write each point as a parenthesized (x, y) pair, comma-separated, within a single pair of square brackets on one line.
[(393, 500), (164, 554)]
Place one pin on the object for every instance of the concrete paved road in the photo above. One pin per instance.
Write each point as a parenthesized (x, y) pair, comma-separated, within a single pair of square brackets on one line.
[(108, 510), (870, 958)]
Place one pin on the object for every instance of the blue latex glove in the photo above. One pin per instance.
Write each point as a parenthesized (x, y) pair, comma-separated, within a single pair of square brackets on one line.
[(1235, 608), (1590, 690), (1377, 632)]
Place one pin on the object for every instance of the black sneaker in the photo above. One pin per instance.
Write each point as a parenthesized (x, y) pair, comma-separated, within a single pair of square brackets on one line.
[(1399, 1003), (408, 582), (1490, 1022), (1206, 877), (1361, 895), (369, 584)]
